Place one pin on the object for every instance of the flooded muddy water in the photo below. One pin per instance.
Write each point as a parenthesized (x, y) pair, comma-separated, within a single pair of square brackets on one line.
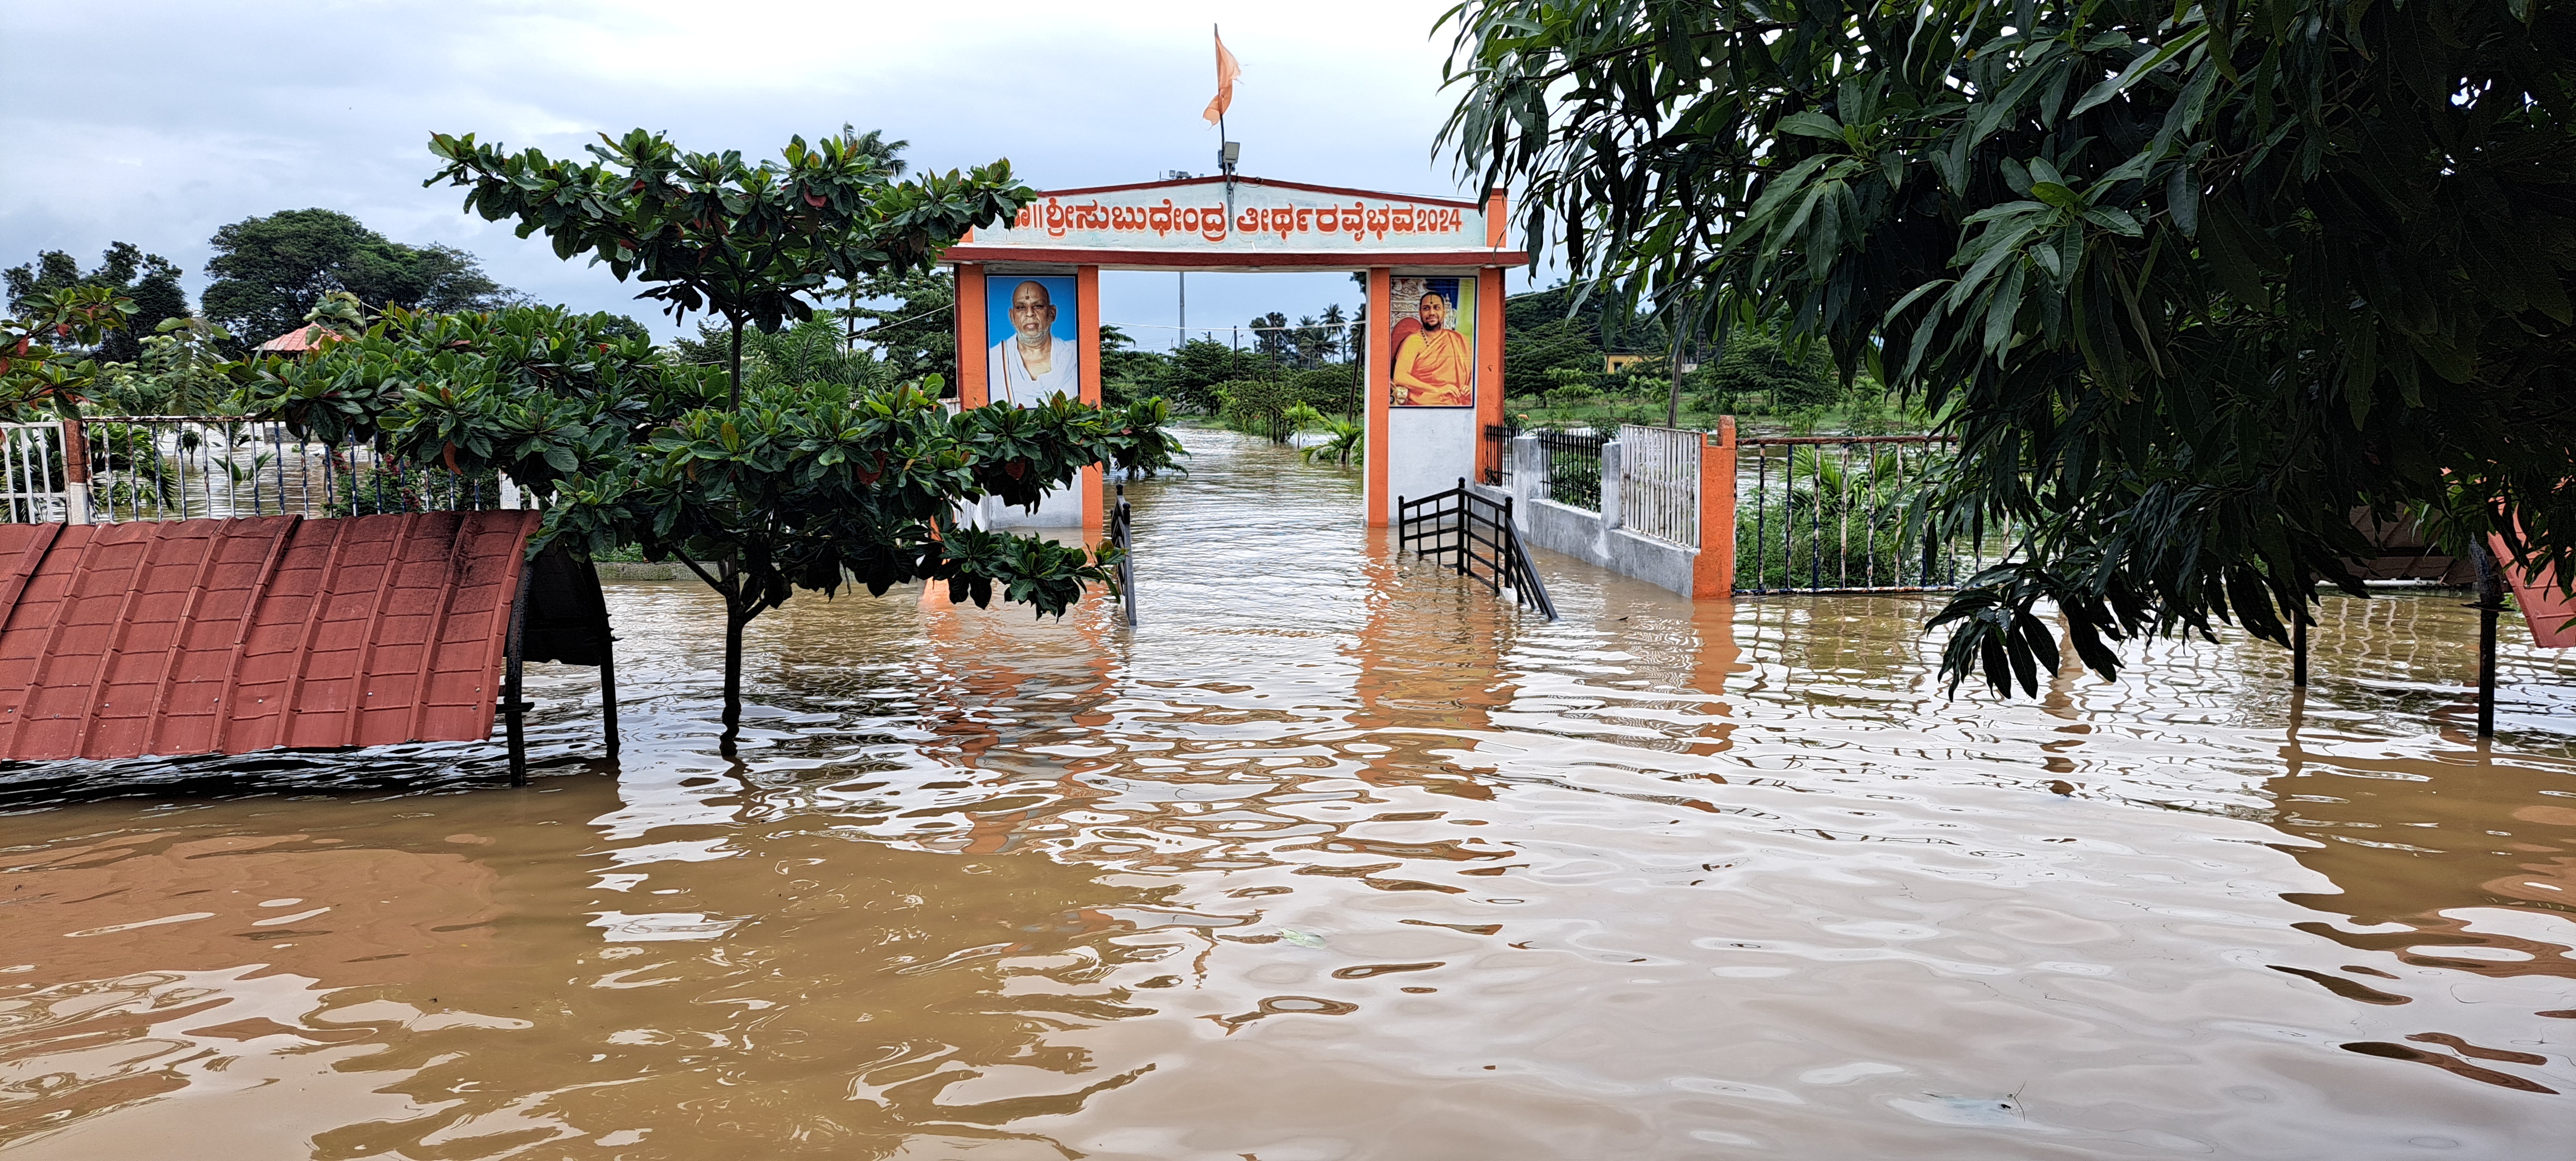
[(1335, 857)]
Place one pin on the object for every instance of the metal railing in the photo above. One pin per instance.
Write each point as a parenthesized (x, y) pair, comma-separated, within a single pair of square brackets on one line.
[(33, 472), (1573, 467), (1828, 514), (1497, 451), (166, 467), (1659, 483), (1122, 532), (1477, 535)]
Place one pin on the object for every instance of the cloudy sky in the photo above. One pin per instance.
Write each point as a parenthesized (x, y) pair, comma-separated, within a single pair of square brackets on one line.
[(155, 123)]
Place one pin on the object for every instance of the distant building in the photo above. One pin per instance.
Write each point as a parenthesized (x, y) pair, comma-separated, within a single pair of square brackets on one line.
[(298, 341), (1612, 364)]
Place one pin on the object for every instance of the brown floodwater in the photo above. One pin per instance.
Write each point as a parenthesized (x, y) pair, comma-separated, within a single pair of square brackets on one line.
[(1335, 857)]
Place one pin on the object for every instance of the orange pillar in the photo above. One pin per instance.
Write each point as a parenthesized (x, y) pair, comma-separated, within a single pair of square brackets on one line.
[(972, 342), (1378, 379), (1489, 374), (1713, 571), (1086, 313)]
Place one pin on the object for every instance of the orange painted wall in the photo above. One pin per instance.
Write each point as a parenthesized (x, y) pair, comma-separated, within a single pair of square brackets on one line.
[(972, 342), (1086, 298), (1713, 571), (1489, 376), (1378, 381)]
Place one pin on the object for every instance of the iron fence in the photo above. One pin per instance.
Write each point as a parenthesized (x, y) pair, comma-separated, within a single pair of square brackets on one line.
[(1497, 452), (1659, 483), (1828, 514), (34, 471), (164, 467), (1574, 467)]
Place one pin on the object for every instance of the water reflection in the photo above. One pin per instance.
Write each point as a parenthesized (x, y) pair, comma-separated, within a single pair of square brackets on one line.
[(1333, 857)]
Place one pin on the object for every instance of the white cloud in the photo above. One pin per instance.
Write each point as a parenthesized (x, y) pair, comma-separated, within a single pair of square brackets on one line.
[(155, 123)]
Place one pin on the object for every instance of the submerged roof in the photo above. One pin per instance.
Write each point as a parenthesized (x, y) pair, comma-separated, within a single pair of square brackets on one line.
[(228, 636)]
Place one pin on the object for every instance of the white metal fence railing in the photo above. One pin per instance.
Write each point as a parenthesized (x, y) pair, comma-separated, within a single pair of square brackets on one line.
[(33, 487), (1659, 483), (114, 469)]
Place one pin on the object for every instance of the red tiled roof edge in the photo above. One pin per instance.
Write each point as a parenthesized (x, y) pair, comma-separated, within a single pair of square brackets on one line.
[(229, 636)]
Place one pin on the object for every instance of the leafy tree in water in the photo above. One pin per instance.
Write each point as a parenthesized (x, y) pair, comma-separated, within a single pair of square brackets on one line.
[(150, 281), (749, 243), (269, 272), (1200, 365), (916, 337), (804, 485), (1333, 389), (785, 485), (2191, 284)]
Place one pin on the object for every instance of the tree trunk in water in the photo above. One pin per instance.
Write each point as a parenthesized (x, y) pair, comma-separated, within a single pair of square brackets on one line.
[(737, 363), (732, 683)]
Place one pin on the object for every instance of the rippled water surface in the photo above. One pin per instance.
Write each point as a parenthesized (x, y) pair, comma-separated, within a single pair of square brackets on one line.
[(1335, 857)]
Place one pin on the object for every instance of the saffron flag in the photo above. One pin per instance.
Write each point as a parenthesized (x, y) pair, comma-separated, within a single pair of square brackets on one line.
[(1226, 71)]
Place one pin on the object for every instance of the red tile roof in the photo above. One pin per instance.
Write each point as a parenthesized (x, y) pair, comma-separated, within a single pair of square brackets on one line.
[(303, 338), (228, 636)]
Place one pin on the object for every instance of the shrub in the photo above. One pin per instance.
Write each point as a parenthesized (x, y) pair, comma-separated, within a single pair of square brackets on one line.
[(1257, 407), (1333, 389)]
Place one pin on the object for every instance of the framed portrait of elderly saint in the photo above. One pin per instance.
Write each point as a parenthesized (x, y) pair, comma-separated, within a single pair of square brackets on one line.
[(1036, 352), (1431, 345)]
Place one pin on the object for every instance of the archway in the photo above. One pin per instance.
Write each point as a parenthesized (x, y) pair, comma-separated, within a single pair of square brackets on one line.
[(1430, 388)]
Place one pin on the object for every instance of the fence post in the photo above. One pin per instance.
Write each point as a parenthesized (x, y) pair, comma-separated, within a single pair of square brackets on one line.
[(1529, 468), (76, 505), (1713, 572), (1612, 455)]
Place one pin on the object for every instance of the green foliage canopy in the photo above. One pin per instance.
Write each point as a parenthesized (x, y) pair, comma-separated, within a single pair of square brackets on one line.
[(150, 280), (269, 272), (801, 485), (709, 232), (2191, 283)]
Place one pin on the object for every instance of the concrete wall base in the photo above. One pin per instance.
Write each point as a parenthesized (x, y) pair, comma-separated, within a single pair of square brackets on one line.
[(1592, 537)]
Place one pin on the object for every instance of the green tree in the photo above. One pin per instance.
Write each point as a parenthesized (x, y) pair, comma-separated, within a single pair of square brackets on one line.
[(1200, 365), (39, 380), (812, 351), (269, 271), (1756, 362), (1535, 352), (1261, 407), (748, 243), (1126, 373), (1272, 339), (916, 337), (181, 369), (804, 485), (1333, 388), (2191, 284), (150, 281)]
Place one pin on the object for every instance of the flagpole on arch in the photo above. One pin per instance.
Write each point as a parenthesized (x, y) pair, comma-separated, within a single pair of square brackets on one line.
[(1226, 70)]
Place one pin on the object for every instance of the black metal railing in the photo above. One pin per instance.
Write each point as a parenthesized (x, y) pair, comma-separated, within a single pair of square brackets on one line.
[(1122, 532), (1574, 467), (1829, 514), (1498, 449), (1476, 536)]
